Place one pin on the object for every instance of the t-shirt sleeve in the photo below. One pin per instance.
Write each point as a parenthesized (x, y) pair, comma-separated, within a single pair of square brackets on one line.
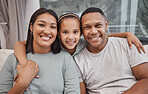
[(71, 77), (6, 75), (79, 68), (136, 58)]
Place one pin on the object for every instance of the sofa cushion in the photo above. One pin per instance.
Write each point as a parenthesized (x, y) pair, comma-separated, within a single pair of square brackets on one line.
[(4, 53)]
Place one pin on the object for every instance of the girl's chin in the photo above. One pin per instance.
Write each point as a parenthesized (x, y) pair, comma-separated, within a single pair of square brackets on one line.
[(70, 47)]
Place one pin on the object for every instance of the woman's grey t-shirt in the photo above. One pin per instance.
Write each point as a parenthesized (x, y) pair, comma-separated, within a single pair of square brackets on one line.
[(57, 74)]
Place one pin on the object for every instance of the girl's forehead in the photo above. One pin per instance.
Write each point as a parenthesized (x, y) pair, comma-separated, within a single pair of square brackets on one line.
[(70, 19)]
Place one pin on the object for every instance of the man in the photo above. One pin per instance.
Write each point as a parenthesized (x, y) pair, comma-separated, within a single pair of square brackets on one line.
[(108, 65)]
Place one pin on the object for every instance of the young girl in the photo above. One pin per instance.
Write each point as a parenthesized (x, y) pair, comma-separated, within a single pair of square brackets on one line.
[(69, 33), (56, 69)]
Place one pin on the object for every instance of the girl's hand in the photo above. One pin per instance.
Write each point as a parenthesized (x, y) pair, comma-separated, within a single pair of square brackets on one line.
[(132, 39), (27, 73)]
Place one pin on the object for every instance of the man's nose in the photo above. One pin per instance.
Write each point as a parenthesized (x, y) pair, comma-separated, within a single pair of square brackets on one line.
[(93, 31)]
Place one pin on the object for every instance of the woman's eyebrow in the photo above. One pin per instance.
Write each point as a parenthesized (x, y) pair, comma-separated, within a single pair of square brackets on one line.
[(45, 22)]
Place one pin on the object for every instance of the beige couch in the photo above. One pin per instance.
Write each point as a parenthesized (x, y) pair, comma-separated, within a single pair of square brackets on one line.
[(146, 49), (4, 53)]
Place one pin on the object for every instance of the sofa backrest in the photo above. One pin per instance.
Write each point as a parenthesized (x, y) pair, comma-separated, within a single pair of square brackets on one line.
[(4, 53), (146, 49)]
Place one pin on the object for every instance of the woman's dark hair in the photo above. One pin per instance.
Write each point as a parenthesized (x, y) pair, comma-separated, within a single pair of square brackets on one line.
[(66, 16), (55, 46)]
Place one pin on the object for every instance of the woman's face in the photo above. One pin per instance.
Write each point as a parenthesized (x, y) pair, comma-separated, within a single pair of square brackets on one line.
[(69, 33), (44, 31)]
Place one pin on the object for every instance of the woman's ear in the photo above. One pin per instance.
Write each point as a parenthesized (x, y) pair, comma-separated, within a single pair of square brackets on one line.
[(31, 27)]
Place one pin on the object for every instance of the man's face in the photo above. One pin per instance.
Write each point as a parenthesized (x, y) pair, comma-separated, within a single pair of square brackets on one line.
[(94, 28)]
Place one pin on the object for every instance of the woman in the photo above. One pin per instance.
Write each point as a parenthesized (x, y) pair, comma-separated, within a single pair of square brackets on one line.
[(56, 70)]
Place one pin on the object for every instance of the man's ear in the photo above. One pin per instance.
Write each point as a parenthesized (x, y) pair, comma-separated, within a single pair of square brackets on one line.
[(106, 25)]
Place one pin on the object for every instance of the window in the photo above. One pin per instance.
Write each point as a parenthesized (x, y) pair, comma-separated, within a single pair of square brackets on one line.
[(123, 15)]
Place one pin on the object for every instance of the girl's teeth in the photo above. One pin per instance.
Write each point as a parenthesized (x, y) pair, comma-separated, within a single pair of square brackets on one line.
[(70, 42)]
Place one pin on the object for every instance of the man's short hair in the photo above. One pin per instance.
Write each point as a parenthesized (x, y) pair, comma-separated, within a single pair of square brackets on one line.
[(93, 10)]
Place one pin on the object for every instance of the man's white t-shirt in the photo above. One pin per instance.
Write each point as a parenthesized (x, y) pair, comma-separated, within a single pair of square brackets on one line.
[(109, 71)]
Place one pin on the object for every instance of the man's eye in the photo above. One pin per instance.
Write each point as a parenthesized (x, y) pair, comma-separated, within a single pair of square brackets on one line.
[(98, 25), (86, 27)]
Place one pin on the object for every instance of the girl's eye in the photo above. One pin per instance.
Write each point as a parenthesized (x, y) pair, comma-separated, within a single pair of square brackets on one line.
[(75, 32), (65, 32)]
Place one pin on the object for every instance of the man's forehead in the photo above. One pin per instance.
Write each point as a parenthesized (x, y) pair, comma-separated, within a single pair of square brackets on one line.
[(92, 16)]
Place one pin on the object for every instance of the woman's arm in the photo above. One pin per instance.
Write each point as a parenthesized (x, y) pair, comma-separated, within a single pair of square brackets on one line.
[(25, 76), (131, 38), (20, 52), (18, 88)]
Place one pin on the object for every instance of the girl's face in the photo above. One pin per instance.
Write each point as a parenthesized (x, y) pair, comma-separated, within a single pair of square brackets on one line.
[(69, 33), (44, 31)]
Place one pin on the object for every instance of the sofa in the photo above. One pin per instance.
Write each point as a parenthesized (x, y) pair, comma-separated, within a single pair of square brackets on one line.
[(4, 53), (146, 49)]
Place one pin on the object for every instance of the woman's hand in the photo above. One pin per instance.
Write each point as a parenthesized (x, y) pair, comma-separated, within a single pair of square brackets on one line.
[(132, 39), (28, 72)]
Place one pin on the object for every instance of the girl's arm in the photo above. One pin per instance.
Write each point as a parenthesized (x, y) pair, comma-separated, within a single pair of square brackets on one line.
[(82, 88), (131, 38), (26, 75), (20, 52)]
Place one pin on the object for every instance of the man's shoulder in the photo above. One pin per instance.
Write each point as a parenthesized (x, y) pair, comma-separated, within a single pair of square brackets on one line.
[(117, 39)]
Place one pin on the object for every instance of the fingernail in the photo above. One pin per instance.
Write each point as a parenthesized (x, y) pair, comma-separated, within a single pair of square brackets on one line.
[(37, 76)]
